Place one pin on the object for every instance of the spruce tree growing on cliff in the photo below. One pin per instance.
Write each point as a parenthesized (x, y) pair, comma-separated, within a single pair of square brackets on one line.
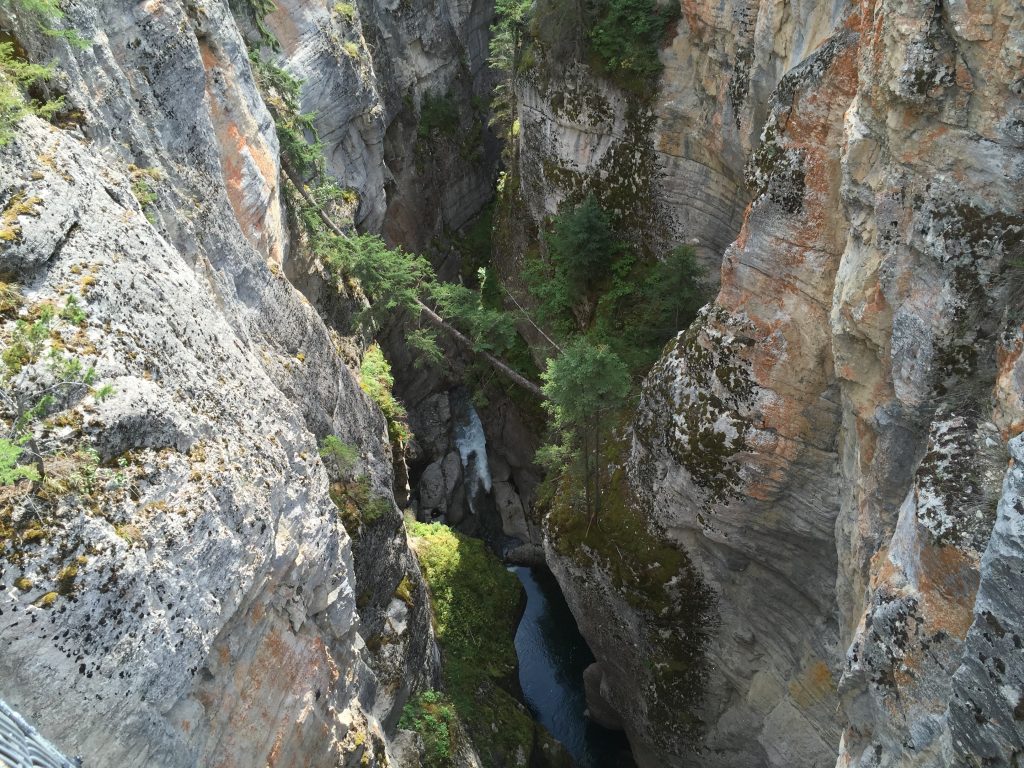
[(583, 385), (17, 74)]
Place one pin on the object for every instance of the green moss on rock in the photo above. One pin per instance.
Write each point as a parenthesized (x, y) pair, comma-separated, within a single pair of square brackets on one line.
[(697, 402), (675, 609), (476, 605)]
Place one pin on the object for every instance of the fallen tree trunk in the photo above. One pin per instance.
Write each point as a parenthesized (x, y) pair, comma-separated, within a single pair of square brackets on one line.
[(431, 316)]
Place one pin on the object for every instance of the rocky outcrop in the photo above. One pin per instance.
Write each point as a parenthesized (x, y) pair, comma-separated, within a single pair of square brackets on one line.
[(826, 442), (178, 588), (369, 71), (671, 165), (197, 605)]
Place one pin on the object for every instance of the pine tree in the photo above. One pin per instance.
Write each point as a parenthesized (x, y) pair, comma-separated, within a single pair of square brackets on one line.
[(584, 384)]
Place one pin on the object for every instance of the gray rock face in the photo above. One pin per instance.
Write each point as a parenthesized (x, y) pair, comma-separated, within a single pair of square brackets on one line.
[(817, 442), (202, 561), (985, 711), (433, 495), (676, 165), (194, 602), (598, 708)]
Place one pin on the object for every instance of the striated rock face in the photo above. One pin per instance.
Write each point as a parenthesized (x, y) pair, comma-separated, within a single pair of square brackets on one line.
[(672, 164), (178, 588), (199, 607), (727, 440), (367, 75), (827, 441)]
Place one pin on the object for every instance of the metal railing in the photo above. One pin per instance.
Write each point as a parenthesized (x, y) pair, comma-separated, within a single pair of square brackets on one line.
[(21, 746)]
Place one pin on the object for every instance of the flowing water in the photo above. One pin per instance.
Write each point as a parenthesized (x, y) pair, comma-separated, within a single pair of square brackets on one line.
[(552, 653), (552, 657), (472, 445)]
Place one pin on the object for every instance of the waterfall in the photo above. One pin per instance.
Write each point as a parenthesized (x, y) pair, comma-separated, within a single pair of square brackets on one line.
[(472, 446)]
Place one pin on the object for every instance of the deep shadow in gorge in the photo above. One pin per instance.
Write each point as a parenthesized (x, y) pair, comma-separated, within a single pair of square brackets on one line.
[(552, 657)]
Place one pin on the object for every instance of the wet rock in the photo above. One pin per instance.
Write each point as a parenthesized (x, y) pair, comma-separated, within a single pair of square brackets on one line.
[(510, 507), (598, 708)]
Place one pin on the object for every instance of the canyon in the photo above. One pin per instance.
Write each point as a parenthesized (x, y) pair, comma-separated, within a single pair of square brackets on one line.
[(811, 550)]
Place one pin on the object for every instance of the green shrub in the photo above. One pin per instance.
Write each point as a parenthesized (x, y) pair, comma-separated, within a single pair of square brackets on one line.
[(351, 49), (342, 454), (626, 38), (357, 504), (282, 93), (73, 312), (27, 340), (475, 603), (142, 187), (404, 591), (591, 283), (376, 380), (257, 11), (440, 114), (10, 470), (434, 719), (17, 75), (346, 11)]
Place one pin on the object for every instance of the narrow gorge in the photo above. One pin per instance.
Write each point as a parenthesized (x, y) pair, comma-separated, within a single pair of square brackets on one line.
[(512, 383)]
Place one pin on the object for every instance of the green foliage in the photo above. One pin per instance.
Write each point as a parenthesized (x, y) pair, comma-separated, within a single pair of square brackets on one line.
[(506, 54), (583, 382), (475, 603), (73, 311), (474, 598), (102, 393), (346, 11), (357, 504), (404, 591), (15, 76), (671, 296), (391, 278), (582, 254), (351, 49), (492, 330), (432, 716), (376, 380), (142, 187), (626, 37), (646, 304), (342, 454), (70, 370), (424, 343), (584, 385), (47, 12), (592, 283), (257, 11), (282, 93), (71, 471), (10, 470), (10, 299), (27, 340), (438, 114), (583, 245)]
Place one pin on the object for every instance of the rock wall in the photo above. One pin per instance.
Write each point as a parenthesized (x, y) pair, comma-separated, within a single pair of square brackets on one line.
[(192, 599), (827, 441), (671, 165)]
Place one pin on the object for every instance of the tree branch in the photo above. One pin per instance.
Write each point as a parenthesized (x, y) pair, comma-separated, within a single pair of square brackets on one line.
[(432, 317)]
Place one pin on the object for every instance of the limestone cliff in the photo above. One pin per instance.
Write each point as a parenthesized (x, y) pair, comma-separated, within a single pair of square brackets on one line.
[(825, 445), (810, 550), (179, 589)]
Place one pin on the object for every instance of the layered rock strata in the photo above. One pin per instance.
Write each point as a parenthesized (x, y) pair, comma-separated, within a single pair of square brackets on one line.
[(192, 598), (827, 441)]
